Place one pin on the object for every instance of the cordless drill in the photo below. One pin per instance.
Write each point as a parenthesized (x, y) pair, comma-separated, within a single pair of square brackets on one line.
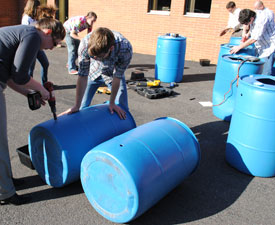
[(49, 86), (34, 99)]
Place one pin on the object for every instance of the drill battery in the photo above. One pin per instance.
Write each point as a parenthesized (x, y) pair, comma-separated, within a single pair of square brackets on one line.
[(34, 100)]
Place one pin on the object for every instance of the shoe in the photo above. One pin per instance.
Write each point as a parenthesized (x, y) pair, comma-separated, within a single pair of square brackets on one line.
[(15, 200), (73, 72), (18, 182)]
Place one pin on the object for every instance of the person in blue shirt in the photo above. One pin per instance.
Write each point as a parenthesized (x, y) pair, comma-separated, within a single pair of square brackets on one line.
[(104, 55), (18, 49)]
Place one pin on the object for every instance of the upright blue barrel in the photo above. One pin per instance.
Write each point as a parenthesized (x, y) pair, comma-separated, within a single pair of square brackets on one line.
[(170, 58), (125, 176), (226, 72), (57, 147), (235, 40), (225, 50), (250, 144)]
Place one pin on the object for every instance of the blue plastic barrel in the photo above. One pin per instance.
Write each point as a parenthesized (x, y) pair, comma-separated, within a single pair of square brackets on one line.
[(226, 72), (273, 68), (235, 40), (58, 147), (170, 58), (225, 50), (125, 176), (250, 144)]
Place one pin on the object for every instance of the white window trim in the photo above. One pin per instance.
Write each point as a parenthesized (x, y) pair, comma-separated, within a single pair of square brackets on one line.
[(159, 12), (200, 15)]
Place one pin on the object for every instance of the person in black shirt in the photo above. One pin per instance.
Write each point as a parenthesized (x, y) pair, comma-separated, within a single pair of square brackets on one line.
[(18, 49)]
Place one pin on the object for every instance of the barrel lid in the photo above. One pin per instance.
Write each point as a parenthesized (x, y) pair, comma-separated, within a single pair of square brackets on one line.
[(230, 45), (172, 36), (113, 193), (259, 81), (240, 58)]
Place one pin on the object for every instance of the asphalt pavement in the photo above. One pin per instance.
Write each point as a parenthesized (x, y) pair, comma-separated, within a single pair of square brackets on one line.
[(214, 194)]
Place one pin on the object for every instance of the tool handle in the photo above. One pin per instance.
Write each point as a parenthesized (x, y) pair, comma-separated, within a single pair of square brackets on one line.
[(49, 86)]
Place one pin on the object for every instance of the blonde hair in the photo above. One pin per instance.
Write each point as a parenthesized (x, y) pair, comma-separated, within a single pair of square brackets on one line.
[(101, 40), (31, 9)]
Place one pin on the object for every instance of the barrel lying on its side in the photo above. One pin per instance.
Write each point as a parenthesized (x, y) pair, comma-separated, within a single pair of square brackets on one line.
[(57, 147), (125, 176)]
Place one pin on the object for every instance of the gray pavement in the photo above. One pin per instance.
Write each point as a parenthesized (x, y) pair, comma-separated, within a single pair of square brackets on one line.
[(214, 194)]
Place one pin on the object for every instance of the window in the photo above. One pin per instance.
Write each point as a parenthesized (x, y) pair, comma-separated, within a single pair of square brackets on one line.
[(159, 5), (197, 6)]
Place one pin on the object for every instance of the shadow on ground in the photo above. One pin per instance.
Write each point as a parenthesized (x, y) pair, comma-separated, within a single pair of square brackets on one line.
[(211, 189), (198, 77), (49, 192), (142, 67)]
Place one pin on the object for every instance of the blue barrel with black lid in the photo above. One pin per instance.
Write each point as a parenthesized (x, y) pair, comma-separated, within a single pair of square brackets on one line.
[(170, 58), (225, 85), (250, 146)]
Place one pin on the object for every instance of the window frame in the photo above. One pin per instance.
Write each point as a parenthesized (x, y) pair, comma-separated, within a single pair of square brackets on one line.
[(195, 14), (154, 7)]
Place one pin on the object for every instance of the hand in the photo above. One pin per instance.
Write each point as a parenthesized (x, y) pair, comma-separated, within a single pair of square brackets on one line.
[(69, 111), (235, 49), (45, 95), (43, 102), (121, 113), (223, 32)]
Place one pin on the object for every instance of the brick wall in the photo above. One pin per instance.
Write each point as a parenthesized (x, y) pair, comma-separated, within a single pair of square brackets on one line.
[(130, 17), (9, 12)]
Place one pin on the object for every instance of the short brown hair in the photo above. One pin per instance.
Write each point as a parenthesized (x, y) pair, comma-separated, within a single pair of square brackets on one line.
[(230, 5), (58, 31), (91, 14), (246, 15), (101, 40)]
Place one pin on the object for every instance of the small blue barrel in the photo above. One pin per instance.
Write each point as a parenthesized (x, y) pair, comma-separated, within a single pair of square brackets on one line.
[(250, 144), (57, 147), (226, 71), (170, 58), (235, 40), (225, 49), (125, 176)]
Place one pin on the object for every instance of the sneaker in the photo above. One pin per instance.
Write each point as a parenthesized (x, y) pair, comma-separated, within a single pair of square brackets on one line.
[(15, 200), (73, 72)]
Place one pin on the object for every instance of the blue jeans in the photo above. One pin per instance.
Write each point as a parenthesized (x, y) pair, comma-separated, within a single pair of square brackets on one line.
[(92, 86), (72, 47), (268, 65), (42, 58)]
